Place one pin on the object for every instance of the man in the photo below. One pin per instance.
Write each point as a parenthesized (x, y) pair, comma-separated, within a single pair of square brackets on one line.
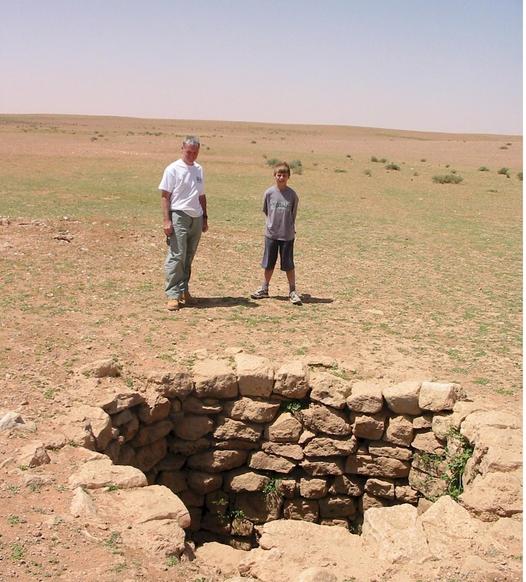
[(183, 203)]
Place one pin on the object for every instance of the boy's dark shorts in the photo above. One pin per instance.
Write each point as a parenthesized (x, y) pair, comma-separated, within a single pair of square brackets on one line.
[(286, 254)]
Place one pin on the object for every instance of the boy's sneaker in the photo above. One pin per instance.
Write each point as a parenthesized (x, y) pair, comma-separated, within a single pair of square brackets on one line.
[(260, 294), (295, 299)]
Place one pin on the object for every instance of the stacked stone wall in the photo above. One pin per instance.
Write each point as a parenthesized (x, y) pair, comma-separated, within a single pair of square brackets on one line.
[(242, 443)]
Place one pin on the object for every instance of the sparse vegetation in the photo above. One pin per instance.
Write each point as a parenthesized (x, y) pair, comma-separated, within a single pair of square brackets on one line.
[(392, 166), (296, 167), (504, 172), (448, 179), (483, 169)]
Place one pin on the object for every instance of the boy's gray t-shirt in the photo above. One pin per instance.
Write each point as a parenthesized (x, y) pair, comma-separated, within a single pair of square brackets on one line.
[(280, 208)]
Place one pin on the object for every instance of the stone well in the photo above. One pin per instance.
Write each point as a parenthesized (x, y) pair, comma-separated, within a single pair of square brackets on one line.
[(241, 443)]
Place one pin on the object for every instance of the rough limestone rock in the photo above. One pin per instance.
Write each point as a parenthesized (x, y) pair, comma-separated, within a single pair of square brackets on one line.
[(155, 408), (255, 375), (229, 429), (365, 397), (437, 396), (147, 457), (288, 546), (290, 451), (428, 443), (171, 384), (285, 429), (479, 422), (204, 483), (259, 507), (370, 466), (225, 558), (161, 537), (317, 574), (322, 467), (152, 503), (116, 398), (245, 480), (195, 405), (191, 427), (217, 461), (251, 410), (9, 420), (369, 426), (399, 430), (394, 534), (82, 504), (384, 449), (301, 509), (402, 398), (151, 433), (493, 495), (292, 380), (263, 462), (325, 447), (215, 379), (320, 418), (86, 426), (32, 455), (103, 473), (497, 450), (329, 389), (449, 528), (313, 488), (103, 368)]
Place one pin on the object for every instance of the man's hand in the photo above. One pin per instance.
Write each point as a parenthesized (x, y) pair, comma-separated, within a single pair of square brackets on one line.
[(168, 227)]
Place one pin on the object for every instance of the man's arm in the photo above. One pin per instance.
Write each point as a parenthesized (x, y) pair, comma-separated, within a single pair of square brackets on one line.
[(202, 201), (165, 206)]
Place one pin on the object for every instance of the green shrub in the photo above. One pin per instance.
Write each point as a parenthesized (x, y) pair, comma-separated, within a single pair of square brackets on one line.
[(392, 166), (273, 162), (368, 172), (504, 172), (483, 169), (374, 159), (519, 175), (296, 167), (448, 179), (340, 171)]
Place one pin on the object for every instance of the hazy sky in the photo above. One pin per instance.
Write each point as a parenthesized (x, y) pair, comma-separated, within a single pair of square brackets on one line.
[(440, 65)]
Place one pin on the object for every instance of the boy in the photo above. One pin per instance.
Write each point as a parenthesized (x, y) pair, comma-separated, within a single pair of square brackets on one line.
[(280, 205)]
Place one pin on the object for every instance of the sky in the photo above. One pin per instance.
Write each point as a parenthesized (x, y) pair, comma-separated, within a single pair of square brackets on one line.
[(430, 65)]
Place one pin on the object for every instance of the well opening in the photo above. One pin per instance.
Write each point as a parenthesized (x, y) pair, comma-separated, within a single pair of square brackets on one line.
[(245, 444)]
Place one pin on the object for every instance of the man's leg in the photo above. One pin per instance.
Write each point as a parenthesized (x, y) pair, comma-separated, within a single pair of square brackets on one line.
[(194, 235), (174, 265)]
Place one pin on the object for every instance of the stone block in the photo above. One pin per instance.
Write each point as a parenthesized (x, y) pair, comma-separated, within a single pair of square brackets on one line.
[(385, 449), (312, 488), (215, 379), (290, 451), (329, 447), (174, 480), (402, 398), (428, 442), (301, 509), (347, 485), (147, 457), (437, 396), (369, 426), (192, 427), (217, 461), (399, 430), (202, 482), (205, 406), (319, 418), (170, 384), (321, 467), (252, 410), (380, 488), (365, 397), (103, 473), (261, 461), (285, 429), (337, 506), (259, 508), (228, 428), (292, 380), (329, 389), (370, 466), (255, 375), (429, 486), (245, 480)]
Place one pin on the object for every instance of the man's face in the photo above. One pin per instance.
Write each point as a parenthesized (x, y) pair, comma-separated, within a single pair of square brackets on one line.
[(189, 153)]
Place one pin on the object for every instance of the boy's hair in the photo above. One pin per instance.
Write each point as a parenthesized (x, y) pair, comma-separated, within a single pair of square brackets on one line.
[(283, 167)]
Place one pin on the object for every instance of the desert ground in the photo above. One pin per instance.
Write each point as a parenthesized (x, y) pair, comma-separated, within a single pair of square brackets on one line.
[(402, 276)]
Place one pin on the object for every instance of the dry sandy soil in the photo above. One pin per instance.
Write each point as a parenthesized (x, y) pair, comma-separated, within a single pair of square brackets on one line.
[(402, 277)]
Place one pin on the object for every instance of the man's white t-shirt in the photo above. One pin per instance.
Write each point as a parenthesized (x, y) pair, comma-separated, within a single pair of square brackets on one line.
[(186, 183)]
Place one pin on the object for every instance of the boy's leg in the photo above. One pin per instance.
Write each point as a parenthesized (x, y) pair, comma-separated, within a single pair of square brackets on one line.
[(270, 256), (291, 278)]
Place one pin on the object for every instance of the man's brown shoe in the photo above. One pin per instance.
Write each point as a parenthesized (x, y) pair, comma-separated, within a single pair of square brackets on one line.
[(187, 299), (173, 305)]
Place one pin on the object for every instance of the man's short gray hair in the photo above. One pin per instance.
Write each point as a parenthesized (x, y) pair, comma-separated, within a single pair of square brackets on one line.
[(192, 140)]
